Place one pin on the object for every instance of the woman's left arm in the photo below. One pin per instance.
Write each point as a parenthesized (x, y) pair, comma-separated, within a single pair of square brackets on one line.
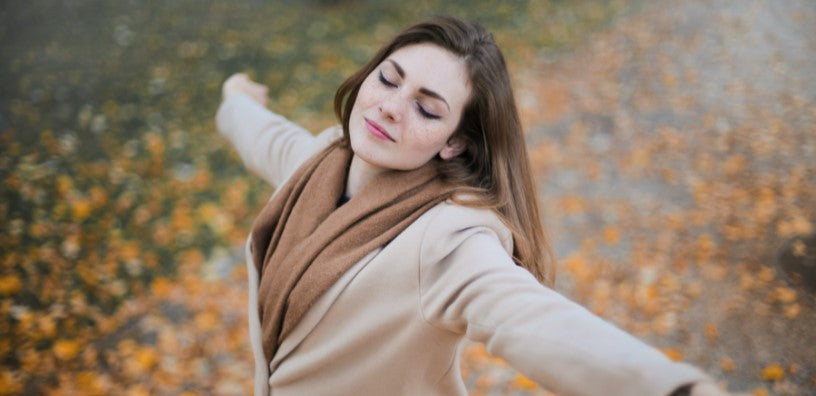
[(270, 146), (469, 285)]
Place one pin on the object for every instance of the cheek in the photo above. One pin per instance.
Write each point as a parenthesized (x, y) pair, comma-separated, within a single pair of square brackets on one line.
[(431, 138), (366, 95)]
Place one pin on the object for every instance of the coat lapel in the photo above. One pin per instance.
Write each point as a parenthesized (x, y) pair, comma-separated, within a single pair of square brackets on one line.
[(317, 311)]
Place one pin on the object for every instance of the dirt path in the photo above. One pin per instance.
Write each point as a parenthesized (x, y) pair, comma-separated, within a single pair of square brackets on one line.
[(676, 154)]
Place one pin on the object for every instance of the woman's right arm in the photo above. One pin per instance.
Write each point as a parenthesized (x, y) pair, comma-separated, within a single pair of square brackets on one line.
[(271, 146), (470, 285)]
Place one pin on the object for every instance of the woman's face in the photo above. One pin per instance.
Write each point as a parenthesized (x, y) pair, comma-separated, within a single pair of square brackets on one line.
[(408, 108)]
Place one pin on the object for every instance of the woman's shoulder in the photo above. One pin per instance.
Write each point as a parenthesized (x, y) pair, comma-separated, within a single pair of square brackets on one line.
[(452, 221), (328, 136)]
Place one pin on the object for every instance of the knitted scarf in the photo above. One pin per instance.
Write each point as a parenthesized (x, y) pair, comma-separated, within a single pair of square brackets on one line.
[(302, 242)]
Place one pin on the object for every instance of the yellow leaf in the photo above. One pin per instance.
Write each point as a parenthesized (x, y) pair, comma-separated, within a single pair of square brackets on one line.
[(181, 218), (210, 214), (498, 361), (207, 211), (88, 275), (478, 354), (727, 365), (130, 250), (711, 331), (673, 354), (705, 247), (773, 372), (734, 165), (523, 383), (572, 205), (66, 349), (47, 326), (63, 184), (90, 383), (785, 294), (206, 321), (161, 287), (611, 235), (9, 285), (792, 311), (10, 383), (760, 392), (81, 209), (191, 258), (766, 274), (146, 358)]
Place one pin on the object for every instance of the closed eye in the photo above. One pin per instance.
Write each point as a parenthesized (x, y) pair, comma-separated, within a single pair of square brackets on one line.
[(422, 111), (427, 114), (385, 81)]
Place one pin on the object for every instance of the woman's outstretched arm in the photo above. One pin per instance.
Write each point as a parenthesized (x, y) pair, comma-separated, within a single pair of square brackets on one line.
[(270, 146), (469, 285)]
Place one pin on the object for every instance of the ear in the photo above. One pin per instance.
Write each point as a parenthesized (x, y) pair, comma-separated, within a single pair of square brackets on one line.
[(455, 146)]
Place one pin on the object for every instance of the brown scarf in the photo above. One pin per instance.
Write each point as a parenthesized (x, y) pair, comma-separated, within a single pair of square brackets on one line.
[(302, 242)]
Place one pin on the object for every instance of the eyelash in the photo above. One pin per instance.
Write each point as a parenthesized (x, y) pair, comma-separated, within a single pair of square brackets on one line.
[(386, 82), (422, 111)]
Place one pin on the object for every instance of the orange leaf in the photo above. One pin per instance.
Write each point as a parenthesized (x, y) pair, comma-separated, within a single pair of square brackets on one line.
[(673, 354), (161, 287), (66, 349), (611, 235), (711, 331), (522, 382), (773, 372), (727, 365), (9, 284)]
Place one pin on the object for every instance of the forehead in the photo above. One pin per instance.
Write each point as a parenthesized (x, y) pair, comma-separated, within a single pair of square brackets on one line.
[(433, 67)]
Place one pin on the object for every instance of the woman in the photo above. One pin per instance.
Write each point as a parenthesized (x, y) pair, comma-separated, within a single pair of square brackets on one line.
[(413, 225)]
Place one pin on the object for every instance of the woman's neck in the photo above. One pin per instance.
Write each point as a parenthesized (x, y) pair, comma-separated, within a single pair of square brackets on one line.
[(360, 174)]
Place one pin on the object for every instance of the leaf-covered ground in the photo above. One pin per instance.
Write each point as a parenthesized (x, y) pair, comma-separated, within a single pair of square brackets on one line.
[(676, 153), (673, 142)]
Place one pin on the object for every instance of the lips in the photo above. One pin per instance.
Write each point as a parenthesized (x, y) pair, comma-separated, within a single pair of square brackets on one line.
[(378, 131)]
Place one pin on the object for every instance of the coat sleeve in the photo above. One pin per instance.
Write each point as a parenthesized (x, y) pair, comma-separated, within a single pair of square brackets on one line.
[(270, 146), (469, 285)]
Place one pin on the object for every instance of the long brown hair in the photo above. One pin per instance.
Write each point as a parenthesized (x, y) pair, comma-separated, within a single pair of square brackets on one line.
[(495, 163)]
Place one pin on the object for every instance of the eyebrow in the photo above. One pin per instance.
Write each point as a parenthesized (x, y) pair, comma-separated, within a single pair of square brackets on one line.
[(422, 90)]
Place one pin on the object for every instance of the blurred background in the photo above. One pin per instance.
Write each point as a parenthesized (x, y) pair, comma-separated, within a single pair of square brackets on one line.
[(674, 145)]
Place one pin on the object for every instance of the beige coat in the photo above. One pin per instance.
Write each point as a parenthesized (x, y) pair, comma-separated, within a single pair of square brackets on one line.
[(393, 324)]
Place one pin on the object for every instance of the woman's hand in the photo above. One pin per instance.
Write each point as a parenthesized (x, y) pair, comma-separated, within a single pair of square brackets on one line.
[(240, 82)]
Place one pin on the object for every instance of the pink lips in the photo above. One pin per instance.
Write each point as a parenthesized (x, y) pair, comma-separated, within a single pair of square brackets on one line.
[(378, 131)]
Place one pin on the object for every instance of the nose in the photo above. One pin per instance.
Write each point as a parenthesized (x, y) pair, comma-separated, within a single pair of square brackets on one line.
[(391, 107)]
